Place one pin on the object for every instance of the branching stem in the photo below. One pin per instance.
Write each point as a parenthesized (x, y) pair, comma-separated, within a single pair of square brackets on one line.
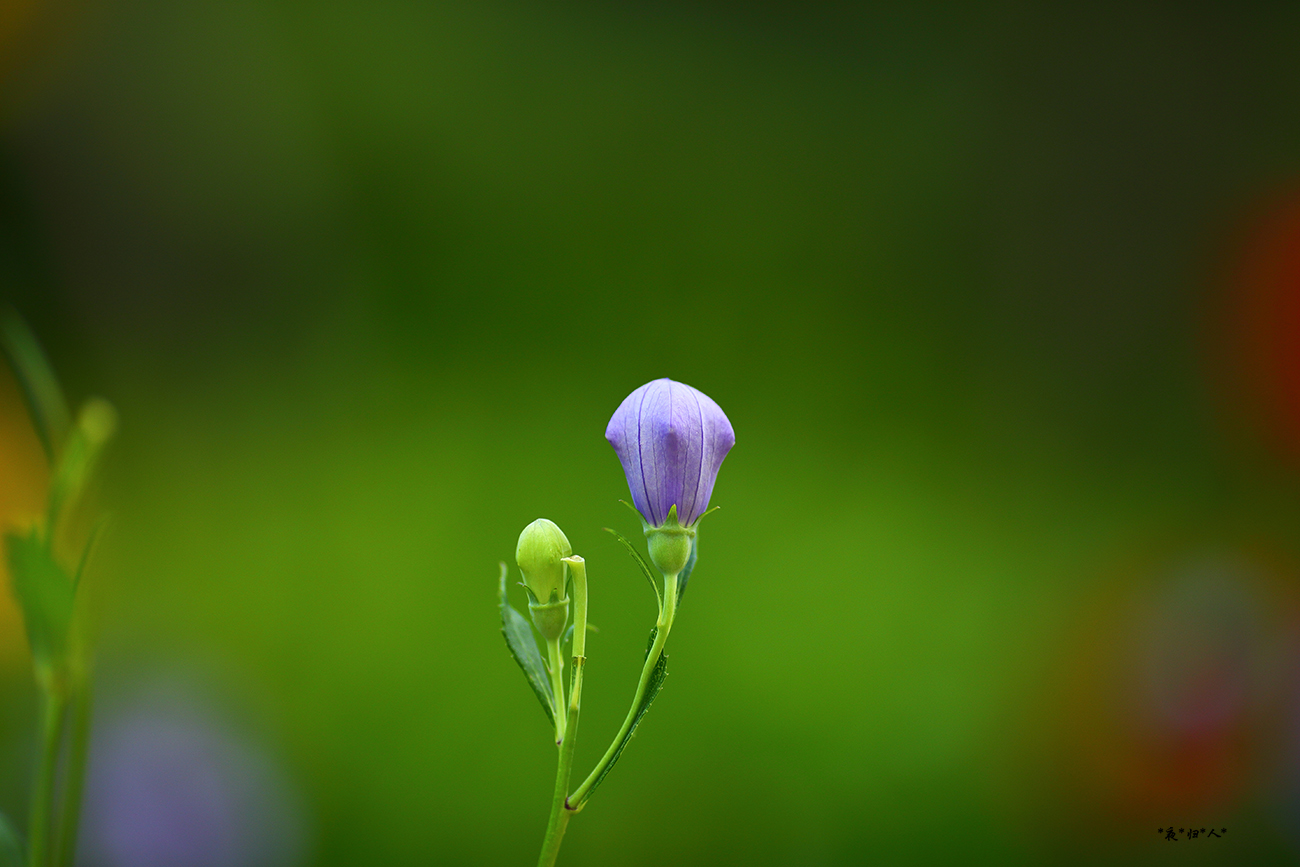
[(663, 626)]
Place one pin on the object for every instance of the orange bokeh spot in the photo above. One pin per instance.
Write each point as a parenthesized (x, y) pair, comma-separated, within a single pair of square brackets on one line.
[(1264, 324), (23, 480), (1168, 683)]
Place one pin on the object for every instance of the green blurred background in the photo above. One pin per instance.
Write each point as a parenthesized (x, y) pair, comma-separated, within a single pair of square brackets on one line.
[(1004, 571)]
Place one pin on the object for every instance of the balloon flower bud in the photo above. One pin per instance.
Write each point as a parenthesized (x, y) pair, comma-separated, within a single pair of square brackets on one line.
[(671, 440), (542, 548)]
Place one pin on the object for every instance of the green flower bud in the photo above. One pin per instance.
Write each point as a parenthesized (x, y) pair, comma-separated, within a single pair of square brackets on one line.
[(670, 544), (542, 547)]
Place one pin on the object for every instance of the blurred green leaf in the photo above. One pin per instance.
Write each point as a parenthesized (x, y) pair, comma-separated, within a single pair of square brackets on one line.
[(40, 387), (645, 568), (523, 647), (652, 689), (11, 845), (44, 592)]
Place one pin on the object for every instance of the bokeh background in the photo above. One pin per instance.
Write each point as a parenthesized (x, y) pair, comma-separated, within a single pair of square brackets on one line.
[(1004, 305)]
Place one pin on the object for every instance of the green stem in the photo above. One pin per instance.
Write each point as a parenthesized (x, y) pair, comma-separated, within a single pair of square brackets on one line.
[(557, 687), (578, 567), (75, 777), (663, 626), (560, 810), (38, 828)]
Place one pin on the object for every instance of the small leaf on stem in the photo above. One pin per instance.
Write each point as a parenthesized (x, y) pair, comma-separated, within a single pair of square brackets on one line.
[(523, 647), (645, 567)]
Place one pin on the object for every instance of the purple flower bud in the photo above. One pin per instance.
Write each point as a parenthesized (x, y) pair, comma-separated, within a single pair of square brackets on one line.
[(671, 440)]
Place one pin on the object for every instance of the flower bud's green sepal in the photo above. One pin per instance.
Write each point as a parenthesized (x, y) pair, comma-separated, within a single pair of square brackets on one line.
[(542, 547), (550, 618), (670, 544)]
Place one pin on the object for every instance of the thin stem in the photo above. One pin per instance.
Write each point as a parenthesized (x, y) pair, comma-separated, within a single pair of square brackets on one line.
[(75, 777), (560, 810), (557, 687), (38, 828), (663, 626), (578, 567)]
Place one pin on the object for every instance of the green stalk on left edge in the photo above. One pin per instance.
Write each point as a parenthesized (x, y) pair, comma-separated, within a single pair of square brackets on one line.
[(74, 783), (560, 810), (38, 826)]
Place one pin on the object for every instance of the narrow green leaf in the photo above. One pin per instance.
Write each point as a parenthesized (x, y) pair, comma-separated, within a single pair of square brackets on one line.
[(44, 593), (40, 388), (645, 568), (11, 845), (653, 685), (523, 647), (634, 511)]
